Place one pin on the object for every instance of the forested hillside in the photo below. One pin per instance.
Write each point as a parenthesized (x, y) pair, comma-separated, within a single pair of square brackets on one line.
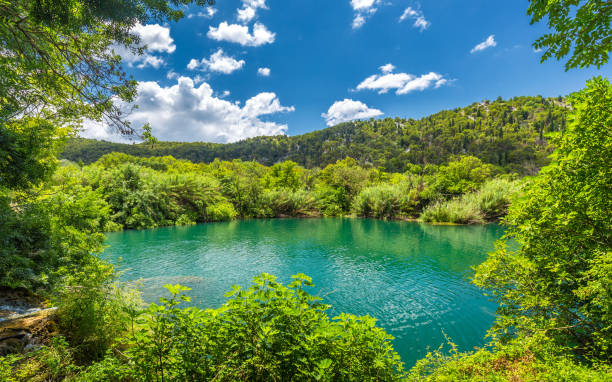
[(507, 133)]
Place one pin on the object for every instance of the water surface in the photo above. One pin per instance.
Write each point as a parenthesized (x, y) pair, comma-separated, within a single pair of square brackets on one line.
[(413, 278)]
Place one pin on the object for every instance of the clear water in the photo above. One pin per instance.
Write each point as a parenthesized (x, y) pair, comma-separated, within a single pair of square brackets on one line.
[(413, 278)]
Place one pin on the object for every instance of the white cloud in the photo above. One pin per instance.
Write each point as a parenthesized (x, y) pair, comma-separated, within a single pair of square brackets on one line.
[(363, 8), (364, 5), (418, 17), (388, 68), (264, 72), (249, 10), (403, 83), (246, 14), (488, 43), (186, 112), (348, 110), (240, 34), (156, 38), (218, 62), (209, 13), (358, 21)]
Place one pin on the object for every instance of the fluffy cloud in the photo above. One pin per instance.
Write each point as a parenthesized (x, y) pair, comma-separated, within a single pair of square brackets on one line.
[(249, 10), (186, 112), (264, 72), (157, 40), (362, 9), (488, 43), (218, 62), (418, 17), (240, 34), (348, 110), (403, 83), (388, 68), (246, 14)]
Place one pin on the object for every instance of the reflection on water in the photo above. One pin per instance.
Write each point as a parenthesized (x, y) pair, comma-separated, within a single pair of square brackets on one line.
[(413, 278)]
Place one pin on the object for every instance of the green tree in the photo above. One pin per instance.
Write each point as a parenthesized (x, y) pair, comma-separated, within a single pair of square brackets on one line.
[(58, 60), (559, 281), (581, 29)]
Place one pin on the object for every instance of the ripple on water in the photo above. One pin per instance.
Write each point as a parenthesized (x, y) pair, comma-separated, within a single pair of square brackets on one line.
[(413, 278)]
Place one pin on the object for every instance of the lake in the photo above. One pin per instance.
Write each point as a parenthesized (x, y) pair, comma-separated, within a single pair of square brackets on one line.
[(414, 278)]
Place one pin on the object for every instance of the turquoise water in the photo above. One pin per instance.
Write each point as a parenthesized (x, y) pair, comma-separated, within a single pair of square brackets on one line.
[(412, 277)]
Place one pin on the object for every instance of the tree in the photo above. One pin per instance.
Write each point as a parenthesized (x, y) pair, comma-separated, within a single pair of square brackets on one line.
[(581, 28), (559, 281), (58, 60)]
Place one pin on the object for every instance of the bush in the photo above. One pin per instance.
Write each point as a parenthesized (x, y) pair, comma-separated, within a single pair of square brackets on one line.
[(284, 202), (383, 201), (529, 359), (53, 362), (221, 211), (494, 197), (267, 332), (93, 308), (463, 210)]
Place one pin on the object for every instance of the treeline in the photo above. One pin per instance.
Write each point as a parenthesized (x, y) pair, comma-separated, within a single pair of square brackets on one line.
[(161, 191), (507, 133)]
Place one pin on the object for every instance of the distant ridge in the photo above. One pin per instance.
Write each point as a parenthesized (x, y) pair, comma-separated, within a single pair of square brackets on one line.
[(507, 133)]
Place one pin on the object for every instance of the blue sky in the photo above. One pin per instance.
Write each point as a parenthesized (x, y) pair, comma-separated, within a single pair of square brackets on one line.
[(258, 67)]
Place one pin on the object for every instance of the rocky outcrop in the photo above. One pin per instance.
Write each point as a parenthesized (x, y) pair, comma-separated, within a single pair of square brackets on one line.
[(25, 321)]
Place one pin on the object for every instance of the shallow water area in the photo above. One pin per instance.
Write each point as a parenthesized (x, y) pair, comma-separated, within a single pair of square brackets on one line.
[(413, 278)]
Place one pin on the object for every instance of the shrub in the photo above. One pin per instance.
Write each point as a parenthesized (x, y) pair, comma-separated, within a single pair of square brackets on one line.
[(267, 332), (284, 202), (383, 201), (463, 210), (221, 211), (528, 359), (494, 197), (93, 308)]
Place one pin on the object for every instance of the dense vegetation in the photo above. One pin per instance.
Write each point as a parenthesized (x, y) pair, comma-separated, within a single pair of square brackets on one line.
[(510, 134), (159, 191), (554, 291)]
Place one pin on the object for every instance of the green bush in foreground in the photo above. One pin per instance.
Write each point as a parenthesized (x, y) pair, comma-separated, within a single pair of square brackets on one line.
[(269, 332), (527, 360)]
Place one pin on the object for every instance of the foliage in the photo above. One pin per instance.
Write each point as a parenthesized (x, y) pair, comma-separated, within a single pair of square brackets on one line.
[(488, 203), (461, 176), (28, 151), (582, 29), (160, 191), (464, 210), (495, 195), (53, 362), (509, 133), (41, 232), (59, 62), (283, 203), (385, 201), (531, 359), (93, 308), (267, 332), (558, 282)]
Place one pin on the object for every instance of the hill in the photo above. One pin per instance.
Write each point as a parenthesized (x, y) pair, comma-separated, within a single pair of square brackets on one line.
[(510, 134)]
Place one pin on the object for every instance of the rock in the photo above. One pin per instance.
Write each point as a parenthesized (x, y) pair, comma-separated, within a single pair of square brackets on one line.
[(25, 323)]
